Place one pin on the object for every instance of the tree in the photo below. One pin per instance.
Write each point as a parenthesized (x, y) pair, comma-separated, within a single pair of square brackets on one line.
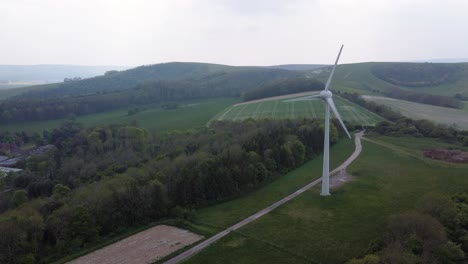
[(19, 197)]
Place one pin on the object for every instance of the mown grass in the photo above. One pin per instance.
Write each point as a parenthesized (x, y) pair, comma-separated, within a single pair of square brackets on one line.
[(278, 109), (346, 224), (189, 114)]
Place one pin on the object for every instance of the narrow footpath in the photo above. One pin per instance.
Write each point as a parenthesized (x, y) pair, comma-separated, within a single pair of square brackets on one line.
[(194, 250)]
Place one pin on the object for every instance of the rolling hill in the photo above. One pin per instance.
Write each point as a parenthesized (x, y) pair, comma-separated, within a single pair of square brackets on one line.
[(222, 77), (50, 72), (360, 78), (178, 81)]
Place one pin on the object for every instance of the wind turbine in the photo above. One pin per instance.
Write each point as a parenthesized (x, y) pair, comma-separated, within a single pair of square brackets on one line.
[(326, 96)]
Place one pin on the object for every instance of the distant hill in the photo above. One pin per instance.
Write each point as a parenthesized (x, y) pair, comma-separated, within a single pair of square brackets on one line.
[(298, 67), (458, 60), (50, 72), (359, 78), (233, 80), (159, 83)]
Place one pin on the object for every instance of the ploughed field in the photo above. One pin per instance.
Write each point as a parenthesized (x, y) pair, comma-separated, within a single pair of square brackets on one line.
[(145, 247), (278, 109)]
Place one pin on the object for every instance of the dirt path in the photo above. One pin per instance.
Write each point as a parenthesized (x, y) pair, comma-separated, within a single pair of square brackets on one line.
[(192, 251), (145, 247)]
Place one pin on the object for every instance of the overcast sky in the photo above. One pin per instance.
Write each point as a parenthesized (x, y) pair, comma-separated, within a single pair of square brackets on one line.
[(235, 32)]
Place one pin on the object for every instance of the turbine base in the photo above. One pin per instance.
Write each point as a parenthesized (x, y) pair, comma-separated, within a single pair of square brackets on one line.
[(325, 194)]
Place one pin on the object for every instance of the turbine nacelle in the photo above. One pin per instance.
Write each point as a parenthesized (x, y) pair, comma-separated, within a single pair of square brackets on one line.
[(325, 94)]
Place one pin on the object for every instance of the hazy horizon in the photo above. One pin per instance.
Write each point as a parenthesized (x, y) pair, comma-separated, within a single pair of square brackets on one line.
[(257, 33)]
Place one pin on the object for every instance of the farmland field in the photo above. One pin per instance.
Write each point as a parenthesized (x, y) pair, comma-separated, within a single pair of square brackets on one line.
[(437, 114), (189, 114), (278, 109)]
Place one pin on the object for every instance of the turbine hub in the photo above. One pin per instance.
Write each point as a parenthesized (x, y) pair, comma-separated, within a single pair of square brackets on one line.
[(325, 94)]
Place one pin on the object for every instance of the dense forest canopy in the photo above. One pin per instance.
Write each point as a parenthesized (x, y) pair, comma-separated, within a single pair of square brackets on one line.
[(416, 74), (104, 179)]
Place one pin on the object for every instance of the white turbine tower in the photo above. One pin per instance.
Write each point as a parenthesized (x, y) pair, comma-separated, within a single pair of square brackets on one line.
[(326, 96)]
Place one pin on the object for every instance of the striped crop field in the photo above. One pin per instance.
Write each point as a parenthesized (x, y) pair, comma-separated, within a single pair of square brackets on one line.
[(278, 109)]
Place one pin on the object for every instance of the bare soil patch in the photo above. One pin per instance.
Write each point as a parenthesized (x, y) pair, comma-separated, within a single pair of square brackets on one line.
[(455, 156), (145, 247), (340, 178)]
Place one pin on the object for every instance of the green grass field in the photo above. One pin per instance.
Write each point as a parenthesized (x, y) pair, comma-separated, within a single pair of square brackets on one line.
[(437, 114), (278, 109), (190, 114), (388, 178), (358, 78)]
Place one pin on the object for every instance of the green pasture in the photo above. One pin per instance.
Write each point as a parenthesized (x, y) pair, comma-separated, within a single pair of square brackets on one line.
[(436, 114), (189, 114), (358, 78), (278, 109), (388, 178)]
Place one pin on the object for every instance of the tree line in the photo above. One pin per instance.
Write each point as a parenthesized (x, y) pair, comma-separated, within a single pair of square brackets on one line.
[(424, 98), (284, 86), (104, 179), (435, 232), (399, 125)]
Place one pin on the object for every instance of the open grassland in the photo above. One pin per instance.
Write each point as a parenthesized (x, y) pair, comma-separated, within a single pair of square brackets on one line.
[(358, 78), (388, 178), (191, 114), (437, 114), (278, 109), (355, 78)]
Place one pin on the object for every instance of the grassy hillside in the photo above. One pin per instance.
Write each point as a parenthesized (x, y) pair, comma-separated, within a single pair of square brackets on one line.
[(349, 77), (278, 109), (436, 114), (189, 114), (359, 78), (388, 178), (202, 75), (298, 67)]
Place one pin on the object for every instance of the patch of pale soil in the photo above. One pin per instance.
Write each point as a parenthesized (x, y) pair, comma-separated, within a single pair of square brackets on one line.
[(145, 247), (280, 97), (340, 178)]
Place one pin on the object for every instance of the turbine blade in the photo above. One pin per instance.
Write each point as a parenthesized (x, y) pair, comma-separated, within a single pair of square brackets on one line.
[(306, 98), (335, 111), (333, 70)]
